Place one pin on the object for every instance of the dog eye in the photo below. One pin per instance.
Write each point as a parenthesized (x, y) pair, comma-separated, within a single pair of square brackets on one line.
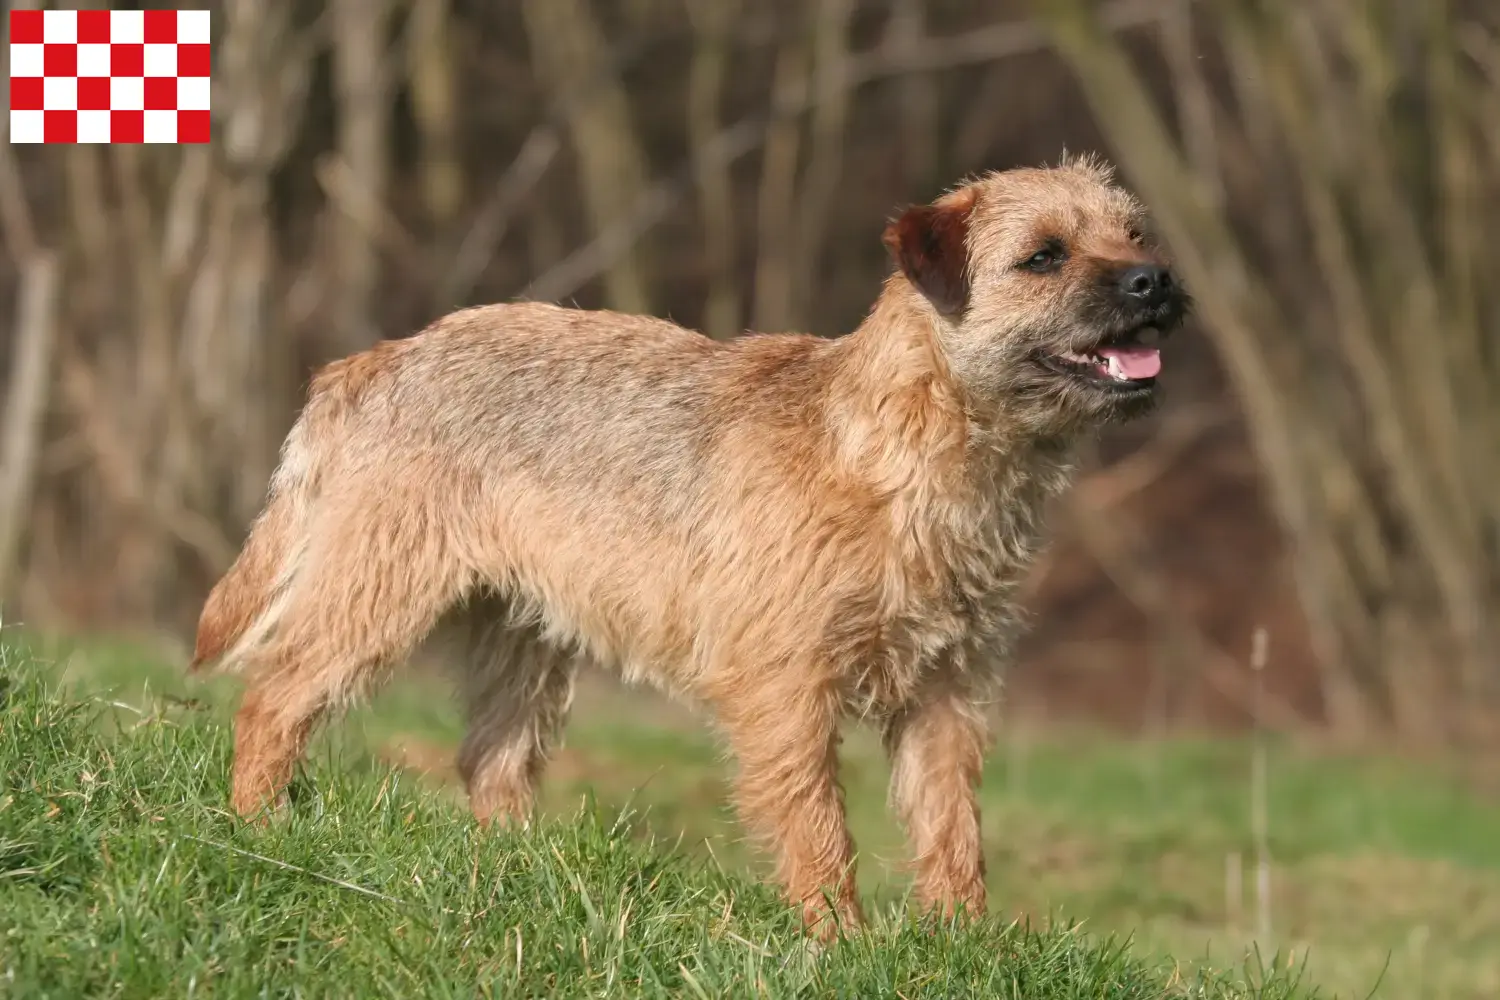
[(1044, 259), (1136, 236)]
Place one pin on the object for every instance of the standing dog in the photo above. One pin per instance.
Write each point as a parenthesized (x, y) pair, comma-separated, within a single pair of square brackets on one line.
[(782, 528)]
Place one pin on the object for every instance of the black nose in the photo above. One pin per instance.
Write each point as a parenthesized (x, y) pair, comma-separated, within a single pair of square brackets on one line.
[(1147, 283)]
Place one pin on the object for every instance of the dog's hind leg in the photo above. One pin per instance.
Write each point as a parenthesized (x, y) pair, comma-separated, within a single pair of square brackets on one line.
[(382, 570), (517, 689)]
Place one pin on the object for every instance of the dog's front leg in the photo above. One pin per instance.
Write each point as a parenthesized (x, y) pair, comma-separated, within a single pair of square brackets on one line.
[(786, 743), (937, 749)]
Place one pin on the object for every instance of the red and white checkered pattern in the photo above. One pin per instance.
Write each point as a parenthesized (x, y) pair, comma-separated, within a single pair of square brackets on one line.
[(109, 76)]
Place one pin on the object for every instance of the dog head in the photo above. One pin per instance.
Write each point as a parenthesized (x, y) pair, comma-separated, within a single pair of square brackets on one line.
[(1049, 301)]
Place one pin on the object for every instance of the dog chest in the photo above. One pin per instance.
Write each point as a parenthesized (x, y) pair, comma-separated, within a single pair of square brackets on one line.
[(935, 613), (948, 599)]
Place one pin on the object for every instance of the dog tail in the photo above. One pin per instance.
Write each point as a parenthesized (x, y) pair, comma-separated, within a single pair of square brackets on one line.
[(246, 605)]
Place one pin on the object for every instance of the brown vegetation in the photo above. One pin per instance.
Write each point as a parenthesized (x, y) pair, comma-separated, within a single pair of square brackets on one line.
[(1348, 167)]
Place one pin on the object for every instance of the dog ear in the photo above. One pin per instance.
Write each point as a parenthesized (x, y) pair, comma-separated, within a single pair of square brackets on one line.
[(930, 245)]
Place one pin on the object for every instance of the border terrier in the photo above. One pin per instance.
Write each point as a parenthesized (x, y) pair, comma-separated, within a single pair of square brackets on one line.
[(782, 528)]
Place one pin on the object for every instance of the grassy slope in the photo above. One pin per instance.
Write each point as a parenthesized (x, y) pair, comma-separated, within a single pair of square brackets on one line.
[(121, 875), (1383, 870), (1375, 861)]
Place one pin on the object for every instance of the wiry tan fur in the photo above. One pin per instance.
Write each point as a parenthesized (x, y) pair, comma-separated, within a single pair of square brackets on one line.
[(782, 528)]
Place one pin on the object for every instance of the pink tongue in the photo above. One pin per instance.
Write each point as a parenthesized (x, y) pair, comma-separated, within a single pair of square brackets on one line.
[(1134, 362)]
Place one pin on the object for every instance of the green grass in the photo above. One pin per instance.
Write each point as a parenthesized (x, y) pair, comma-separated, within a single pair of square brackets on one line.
[(121, 874), (1383, 870)]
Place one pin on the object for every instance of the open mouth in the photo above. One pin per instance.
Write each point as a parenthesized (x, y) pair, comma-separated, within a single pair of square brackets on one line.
[(1122, 362)]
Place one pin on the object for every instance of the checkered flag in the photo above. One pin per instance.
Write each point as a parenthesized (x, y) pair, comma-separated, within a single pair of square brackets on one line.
[(109, 76)]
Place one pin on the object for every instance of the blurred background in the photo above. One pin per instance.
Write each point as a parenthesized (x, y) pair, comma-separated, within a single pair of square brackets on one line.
[(1327, 465), (1325, 468)]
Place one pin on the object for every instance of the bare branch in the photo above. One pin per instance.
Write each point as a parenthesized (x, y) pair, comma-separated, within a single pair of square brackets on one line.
[(435, 104), (776, 205), (494, 218), (363, 85), (566, 44), (713, 20), (26, 406), (734, 141), (830, 114)]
